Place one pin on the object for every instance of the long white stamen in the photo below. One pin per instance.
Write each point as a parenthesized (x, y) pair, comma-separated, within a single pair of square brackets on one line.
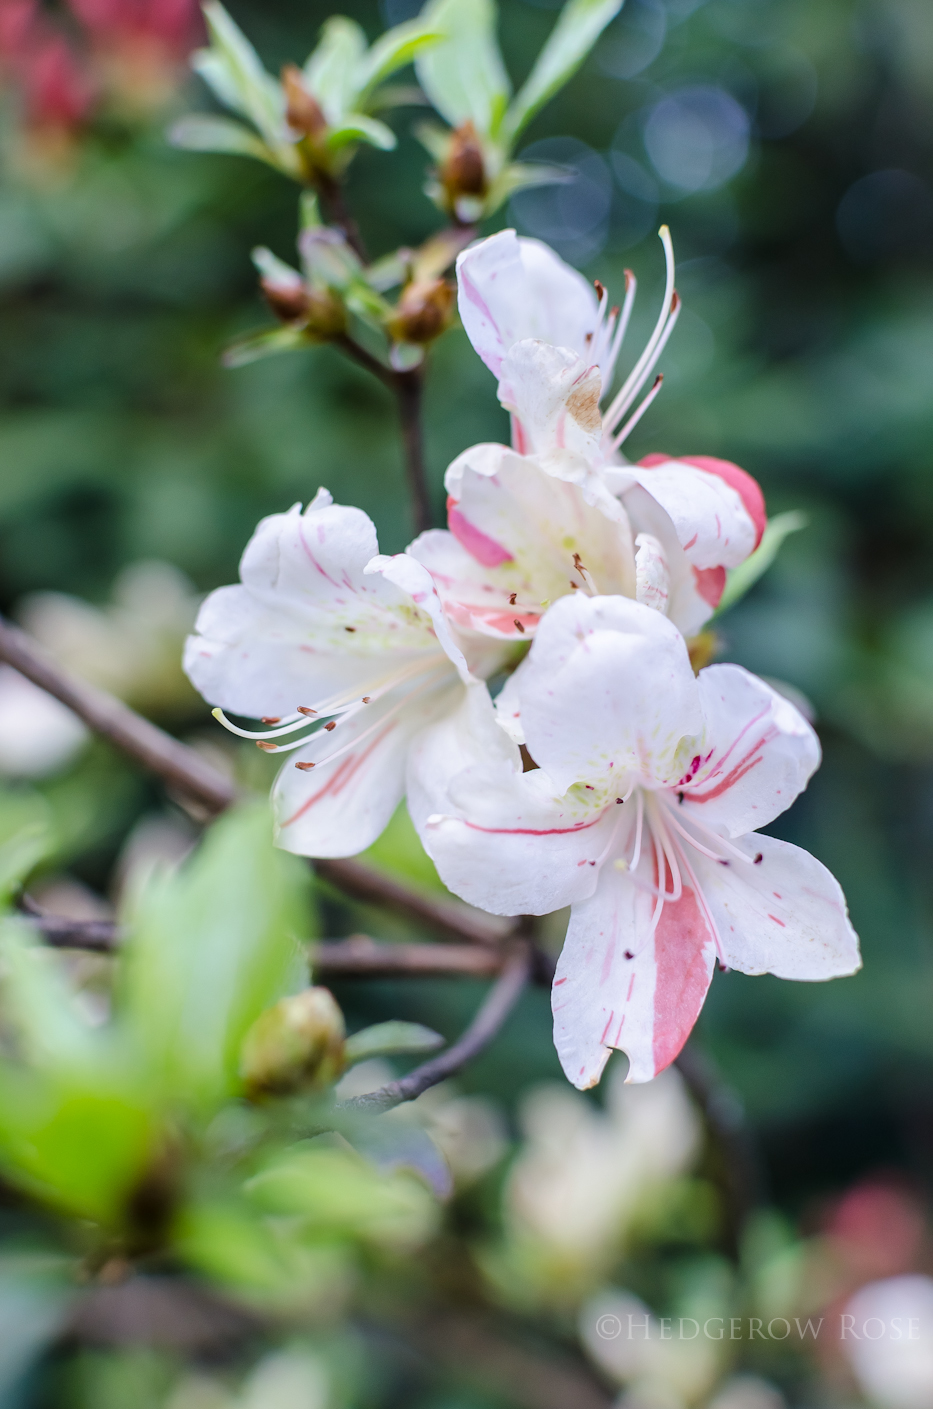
[(669, 327), (631, 284), (671, 856), (292, 722), (648, 357), (692, 840), (708, 832), (701, 901), (636, 416)]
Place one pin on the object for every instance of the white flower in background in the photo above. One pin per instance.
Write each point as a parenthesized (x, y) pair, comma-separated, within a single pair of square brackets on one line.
[(323, 628), (889, 1341), (38, 735), (540, 328), (583, 1174), (657, 1370), (130, 646), (641, 813)]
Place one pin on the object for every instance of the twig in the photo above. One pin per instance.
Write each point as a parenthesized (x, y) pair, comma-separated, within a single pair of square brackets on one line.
[(444, 916), (408, 386), (99, 936), (407, 389), (361, 957), (181, 767), (499, 1002), (185, 770), (338, 210)]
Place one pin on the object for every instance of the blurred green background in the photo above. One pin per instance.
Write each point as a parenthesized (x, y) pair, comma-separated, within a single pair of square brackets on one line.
[(789, 146)]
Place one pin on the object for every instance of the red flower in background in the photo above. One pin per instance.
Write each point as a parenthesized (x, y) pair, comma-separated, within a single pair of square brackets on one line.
[(127, 52)]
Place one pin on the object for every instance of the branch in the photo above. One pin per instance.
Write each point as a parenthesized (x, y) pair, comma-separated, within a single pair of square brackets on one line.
[(181, 767), (184, 770), (408, 387), (499, 1002)]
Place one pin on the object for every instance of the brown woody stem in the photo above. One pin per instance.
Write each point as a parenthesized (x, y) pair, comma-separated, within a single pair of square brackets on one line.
[(498, 1003)]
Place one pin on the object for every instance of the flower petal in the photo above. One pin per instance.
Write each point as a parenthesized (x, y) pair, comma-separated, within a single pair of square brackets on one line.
[(785, 915), (512, 288), (758, 753), (341, 806), (555, 395), (618, 986), (713, 524), (500, 838), (412, 578), (607, 690), (748, 488), (515, 531), (306, 624)]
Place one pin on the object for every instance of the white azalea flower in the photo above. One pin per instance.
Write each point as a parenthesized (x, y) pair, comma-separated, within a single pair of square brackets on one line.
[(323, 628), (552, 343), (887, 1332), (642, 815), (38, 735)]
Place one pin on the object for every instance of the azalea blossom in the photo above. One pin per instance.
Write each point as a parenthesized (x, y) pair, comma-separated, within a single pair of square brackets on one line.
[(553, 343), (512, 289), (345, 655), (641, 813)]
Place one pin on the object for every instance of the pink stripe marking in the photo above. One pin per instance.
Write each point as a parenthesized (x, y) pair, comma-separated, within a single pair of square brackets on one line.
[(474, 296), (478, 544), (710, 584), (737, 773), (326, 575), (341, 776), (683, 947), (777, 921), (535, 831), (607, 1027)]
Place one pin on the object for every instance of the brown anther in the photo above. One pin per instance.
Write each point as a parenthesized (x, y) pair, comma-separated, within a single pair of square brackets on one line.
[(588, 339), (366, 699), (303, 709), (513, 598), (600, 289), (349, 628), (518, 626), (620, 799), (675, 302), (266, 747), (304, 766), (578, 564), (614, 311), (629, 279), (758, 859), (574, 586), (302, 111), (331, 724), (271, 719)]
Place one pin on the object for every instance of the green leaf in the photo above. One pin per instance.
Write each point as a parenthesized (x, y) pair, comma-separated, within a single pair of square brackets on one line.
[(202, 133), (210, 947), (264, 344), (580, 24), (233, 69), (740, 579), (332, 71), (357, 127), (22, 849), (335, 1192), (383, 1039), (392, 51), (519, 176), (463, 74)]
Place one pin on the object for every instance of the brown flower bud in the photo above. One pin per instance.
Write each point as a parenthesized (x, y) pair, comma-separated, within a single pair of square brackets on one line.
[(423, 311), (302, 111), (298, 1043), (464, 171), (288, 301)]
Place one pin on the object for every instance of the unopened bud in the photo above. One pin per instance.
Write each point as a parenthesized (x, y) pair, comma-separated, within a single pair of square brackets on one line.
[(297, 1043), (302, 110), (423, 311), (464, 171), (318, 311)]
